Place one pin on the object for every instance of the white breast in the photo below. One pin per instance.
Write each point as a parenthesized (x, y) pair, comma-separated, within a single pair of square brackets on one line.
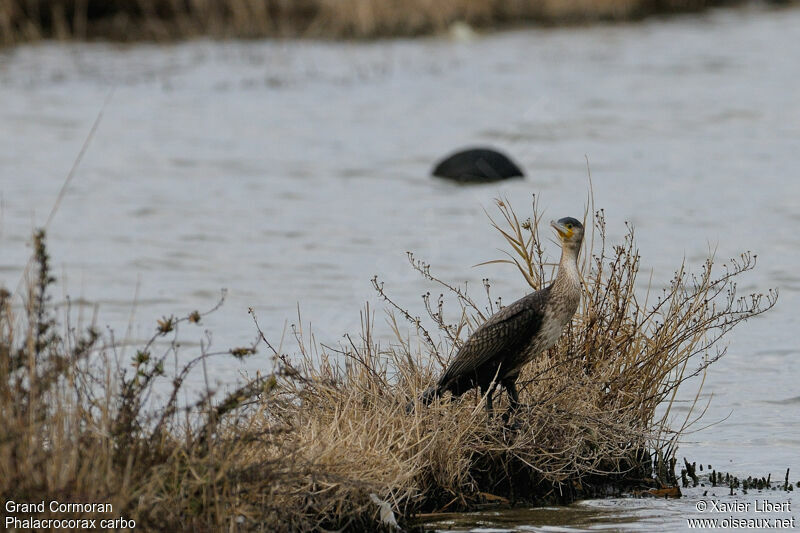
[(552, 327)]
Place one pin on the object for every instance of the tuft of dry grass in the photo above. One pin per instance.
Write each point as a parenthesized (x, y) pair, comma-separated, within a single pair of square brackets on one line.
[(28, 20), (589, 417), (323, 441)]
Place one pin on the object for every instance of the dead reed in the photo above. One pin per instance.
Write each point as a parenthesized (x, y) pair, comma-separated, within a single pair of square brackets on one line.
[(125, 20), (323, 442)]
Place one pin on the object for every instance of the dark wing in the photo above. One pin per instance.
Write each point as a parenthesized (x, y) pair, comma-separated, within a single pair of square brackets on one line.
[(505, 331)]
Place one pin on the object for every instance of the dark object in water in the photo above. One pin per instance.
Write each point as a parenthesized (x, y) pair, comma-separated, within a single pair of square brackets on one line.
[(476, 165)]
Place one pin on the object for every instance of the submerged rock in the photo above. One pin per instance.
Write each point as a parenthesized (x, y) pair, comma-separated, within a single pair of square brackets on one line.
[(476, 165)]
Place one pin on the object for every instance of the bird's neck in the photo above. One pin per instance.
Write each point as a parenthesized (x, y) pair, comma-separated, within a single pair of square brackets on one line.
[(568, 275)]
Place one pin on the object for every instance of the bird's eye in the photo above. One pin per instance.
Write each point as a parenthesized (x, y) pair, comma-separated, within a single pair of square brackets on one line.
[(569, 225)]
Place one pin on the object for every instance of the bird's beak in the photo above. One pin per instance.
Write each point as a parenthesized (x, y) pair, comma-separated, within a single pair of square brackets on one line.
[(561, 229)]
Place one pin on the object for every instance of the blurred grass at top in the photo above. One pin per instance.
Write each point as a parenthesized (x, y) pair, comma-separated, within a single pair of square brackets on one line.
[(162, 20)]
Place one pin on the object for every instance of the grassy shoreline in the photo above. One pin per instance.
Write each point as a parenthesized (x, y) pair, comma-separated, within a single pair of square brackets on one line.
[(323, 441), (167, 20)]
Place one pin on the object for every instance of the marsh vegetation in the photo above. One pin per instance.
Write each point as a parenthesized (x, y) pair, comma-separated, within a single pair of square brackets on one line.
[(26, 20), (322, 440)]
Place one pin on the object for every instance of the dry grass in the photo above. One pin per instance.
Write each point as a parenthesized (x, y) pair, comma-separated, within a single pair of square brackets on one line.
[(316, 443), (26, 20)]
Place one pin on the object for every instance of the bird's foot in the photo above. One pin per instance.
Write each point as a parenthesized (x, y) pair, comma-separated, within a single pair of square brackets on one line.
[(510, 421)]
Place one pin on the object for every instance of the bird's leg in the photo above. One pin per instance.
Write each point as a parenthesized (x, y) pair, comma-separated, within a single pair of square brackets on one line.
[(489, 393), (513, 396), (513, 401)]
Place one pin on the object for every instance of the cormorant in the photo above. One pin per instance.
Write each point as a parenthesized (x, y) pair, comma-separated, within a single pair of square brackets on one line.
[(496, 352)]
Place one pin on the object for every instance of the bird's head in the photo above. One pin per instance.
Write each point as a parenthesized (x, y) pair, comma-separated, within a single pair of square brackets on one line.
[(570, 232)]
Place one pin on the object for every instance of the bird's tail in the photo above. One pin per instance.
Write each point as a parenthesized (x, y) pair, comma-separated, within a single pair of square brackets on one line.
[(425, 398)]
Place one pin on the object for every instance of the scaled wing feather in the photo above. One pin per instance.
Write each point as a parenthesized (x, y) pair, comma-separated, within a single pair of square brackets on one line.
[(505, 331)]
